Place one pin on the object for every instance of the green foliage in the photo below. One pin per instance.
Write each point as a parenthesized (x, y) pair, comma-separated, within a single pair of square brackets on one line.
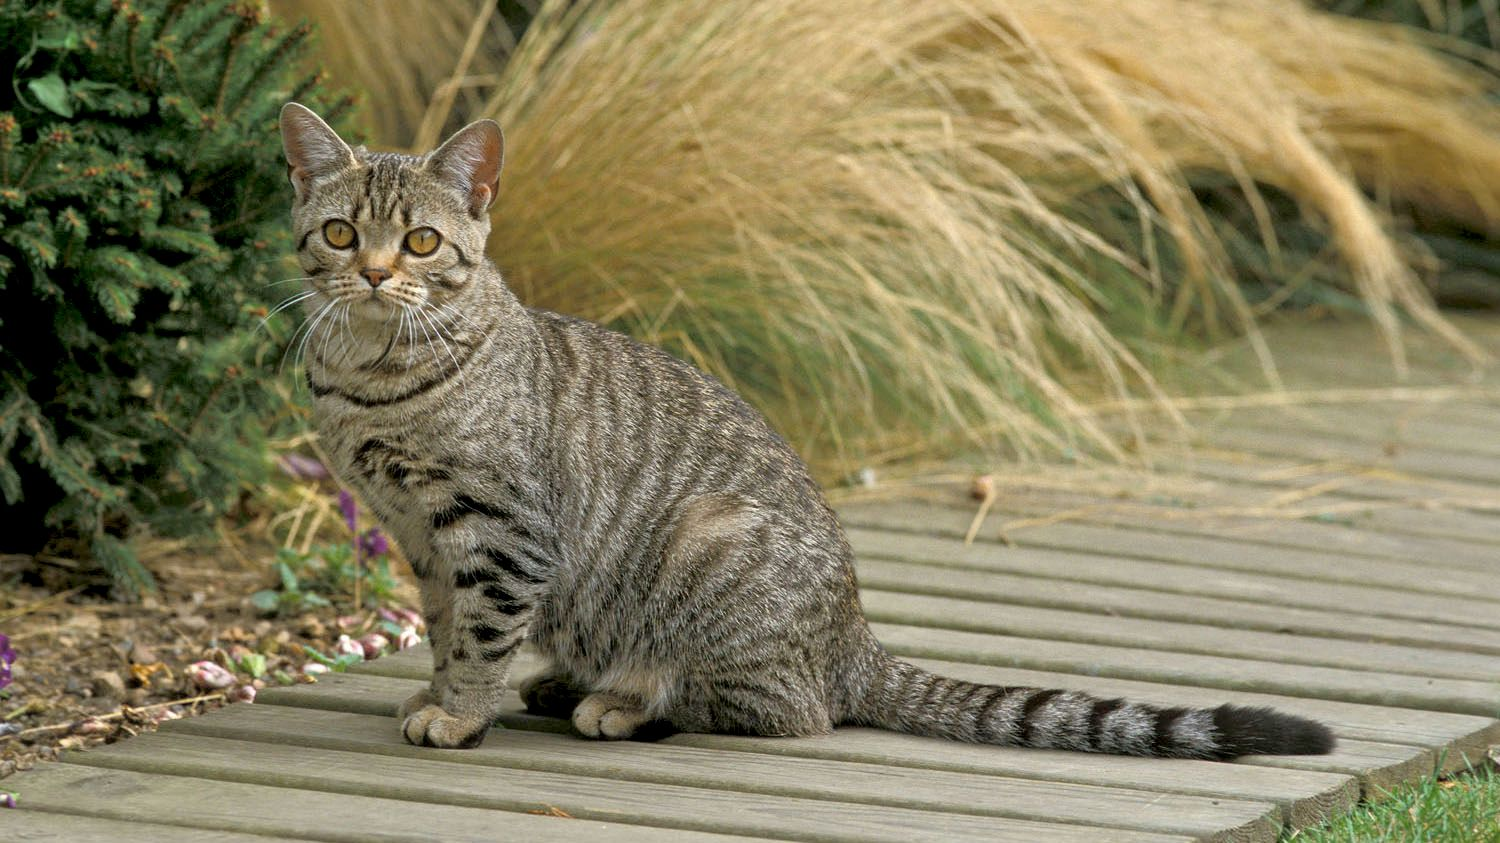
[(141, 197), (1476, 21), (1437, 809), (309, 580)]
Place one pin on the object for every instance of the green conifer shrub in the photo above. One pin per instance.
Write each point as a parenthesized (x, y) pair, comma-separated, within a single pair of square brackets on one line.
[(142, 198)]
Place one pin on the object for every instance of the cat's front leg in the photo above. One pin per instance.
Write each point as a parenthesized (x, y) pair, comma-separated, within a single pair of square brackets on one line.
[(493, 580), (437, 605)]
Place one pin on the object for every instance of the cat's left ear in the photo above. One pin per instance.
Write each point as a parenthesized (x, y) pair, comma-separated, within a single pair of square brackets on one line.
[(470, 161)]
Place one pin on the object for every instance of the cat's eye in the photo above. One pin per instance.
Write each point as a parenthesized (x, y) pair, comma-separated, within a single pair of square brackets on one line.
[(339, 234), (422, 241)]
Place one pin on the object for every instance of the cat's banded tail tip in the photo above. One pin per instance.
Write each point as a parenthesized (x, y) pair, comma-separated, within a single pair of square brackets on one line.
[(1264, 731)]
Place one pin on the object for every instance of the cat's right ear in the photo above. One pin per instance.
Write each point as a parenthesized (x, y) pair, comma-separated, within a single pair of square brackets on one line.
[(313, 150)]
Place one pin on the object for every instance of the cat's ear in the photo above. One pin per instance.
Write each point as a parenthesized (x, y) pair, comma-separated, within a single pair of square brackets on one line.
[(313, 150), (470, 161)]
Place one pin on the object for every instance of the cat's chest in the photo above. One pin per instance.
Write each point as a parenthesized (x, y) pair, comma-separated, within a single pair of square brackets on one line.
[(399, 467)]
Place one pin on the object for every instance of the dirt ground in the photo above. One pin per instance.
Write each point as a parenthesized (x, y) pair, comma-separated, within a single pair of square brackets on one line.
[(90, 670)]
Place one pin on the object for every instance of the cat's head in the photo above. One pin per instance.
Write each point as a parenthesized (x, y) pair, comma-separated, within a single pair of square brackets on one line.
[(377, 231)]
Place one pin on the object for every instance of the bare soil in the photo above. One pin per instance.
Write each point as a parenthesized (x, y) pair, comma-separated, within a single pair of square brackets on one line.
[(91, 670)]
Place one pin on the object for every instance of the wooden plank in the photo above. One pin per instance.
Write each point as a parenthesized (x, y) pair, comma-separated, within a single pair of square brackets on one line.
[(1304, 798), (1114, 556), (1352, 480), (1303, 801), (202, 808), (464, 783), (1428, 511), (788, 776), (25, 825), (1345, 536), (1148, 590), (1365, 749), (367, 692), (1405, 426), (878, 531), (1384, 689), (1473, 468), (1165, 636)]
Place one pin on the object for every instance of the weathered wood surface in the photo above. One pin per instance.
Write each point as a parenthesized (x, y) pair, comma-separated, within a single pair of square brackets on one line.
[(1341, 562)]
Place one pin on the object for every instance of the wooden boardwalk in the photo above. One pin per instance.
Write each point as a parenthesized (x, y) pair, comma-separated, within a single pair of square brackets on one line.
[(1339, 561)]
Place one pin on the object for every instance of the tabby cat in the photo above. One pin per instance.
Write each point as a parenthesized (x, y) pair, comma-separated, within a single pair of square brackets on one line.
[(555, 482)]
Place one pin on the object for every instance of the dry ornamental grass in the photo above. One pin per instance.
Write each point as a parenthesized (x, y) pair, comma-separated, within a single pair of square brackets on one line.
[(882, 221)]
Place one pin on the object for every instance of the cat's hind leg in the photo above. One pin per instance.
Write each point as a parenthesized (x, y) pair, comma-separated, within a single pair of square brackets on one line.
[(551, 693), (609, 716)]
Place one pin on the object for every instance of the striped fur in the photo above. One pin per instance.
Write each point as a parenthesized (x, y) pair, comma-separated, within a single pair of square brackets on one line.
[(555, 482)]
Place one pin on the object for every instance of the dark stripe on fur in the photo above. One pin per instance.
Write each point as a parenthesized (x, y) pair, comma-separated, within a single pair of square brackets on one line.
[(496, 654), (502, 599), (1028, 712), (462, 507), (484, 633), (1163, 741), (474, 578), (510, 564), (1100, 711), (320, 390), (983, 731)]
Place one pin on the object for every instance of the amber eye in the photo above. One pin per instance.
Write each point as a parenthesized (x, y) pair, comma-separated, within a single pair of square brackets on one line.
[(339, 234), (422, 241)]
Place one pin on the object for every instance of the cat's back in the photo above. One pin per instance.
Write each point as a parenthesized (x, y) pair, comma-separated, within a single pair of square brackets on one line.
[(636, 423)]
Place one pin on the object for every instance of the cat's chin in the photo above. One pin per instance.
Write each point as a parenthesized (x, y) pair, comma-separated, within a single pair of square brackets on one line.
[(372, 309)]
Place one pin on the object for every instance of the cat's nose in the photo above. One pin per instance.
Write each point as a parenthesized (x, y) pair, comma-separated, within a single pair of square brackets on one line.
[(375, 275)]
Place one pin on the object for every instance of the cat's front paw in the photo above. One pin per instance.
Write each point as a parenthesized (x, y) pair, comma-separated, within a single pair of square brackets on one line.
[(431, 725), (416, 702)]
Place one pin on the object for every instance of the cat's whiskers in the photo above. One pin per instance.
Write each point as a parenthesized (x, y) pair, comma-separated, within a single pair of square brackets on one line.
[(306, 326), (347, 331), (438, 330), (265, 321), (342, 311), (455, 314), (288, 281), (416, 316), (313, 327)]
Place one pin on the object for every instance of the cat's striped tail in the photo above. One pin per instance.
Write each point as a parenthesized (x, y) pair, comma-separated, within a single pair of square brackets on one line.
[(905, 698)]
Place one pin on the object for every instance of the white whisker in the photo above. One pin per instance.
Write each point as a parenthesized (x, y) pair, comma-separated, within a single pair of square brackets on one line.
[(307, 326), (317, 320), (265, 321), (438, 330)]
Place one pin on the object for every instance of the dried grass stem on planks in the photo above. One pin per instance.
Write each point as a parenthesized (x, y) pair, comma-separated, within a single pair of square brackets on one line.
[(126, 712)]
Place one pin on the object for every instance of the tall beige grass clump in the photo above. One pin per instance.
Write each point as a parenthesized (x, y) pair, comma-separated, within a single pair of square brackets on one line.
[(867, 215)]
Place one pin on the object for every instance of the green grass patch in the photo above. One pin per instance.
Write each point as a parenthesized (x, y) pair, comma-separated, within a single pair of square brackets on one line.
[(1462, 808)]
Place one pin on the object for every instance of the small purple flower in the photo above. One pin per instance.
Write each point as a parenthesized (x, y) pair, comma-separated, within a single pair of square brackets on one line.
[(7, 799), (348, 507), (7, 657), (373, 543)]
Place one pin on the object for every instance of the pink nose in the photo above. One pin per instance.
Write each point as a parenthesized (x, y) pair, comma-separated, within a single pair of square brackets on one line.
[(375, 275)]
